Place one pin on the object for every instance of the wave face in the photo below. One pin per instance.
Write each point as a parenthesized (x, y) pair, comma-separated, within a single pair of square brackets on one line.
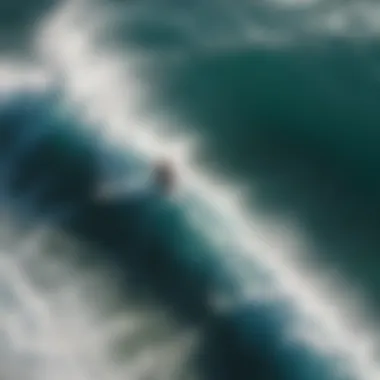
[(49, 170), (130, 287)]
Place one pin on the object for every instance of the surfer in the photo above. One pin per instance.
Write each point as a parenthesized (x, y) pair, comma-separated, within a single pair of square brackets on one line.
[(162, 181), (164, 177)]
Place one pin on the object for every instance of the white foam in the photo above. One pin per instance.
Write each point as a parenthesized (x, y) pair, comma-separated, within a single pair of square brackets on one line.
[(16, 76), (51, 325)]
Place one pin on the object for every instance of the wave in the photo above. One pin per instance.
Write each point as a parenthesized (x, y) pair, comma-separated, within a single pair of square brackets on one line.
[(167, 275), (148, 245)]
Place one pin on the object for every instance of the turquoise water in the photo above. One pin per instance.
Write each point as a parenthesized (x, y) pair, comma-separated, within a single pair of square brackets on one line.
[(297, 123)]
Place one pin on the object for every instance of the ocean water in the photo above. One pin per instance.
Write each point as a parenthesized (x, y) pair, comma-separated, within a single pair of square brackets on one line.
[(264, 263)]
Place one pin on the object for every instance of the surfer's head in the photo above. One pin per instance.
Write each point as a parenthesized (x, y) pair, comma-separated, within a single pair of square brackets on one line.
[(164, 176)]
